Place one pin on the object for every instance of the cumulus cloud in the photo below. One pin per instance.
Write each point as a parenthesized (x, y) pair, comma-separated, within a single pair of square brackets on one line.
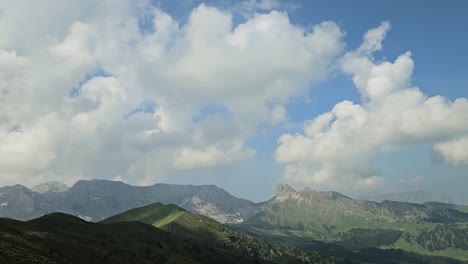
[(336, 148), (369, 182), (73, 86), (454, 151), (190, 158)]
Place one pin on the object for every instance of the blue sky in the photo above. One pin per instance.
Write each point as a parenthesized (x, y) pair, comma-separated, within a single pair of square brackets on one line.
[(436, 35), (241, 94)]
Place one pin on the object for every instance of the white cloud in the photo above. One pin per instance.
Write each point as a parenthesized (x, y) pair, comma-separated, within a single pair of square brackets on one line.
[(336, 148), (249, 70), (190, 158), (372, 40), (454, 151), (278, 114), (369, 182), (120, 179)]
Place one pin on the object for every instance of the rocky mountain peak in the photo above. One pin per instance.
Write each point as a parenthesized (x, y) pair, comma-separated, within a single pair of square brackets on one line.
[(284, 190), (308, 190)]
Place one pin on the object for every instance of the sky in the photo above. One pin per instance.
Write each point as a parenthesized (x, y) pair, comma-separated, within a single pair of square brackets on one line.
[(352, 96)]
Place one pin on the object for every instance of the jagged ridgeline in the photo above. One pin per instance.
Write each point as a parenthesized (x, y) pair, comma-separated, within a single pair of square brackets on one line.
[(328, 222), (309, 218), (96, 200)]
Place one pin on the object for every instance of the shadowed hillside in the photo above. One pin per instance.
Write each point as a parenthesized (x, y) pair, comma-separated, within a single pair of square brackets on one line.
[(61, 238), (186, 238)]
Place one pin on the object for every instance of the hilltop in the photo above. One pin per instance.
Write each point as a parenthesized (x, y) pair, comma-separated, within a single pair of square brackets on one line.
[(205, 231)]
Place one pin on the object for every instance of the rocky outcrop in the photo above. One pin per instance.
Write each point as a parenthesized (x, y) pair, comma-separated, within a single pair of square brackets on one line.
[(53, 186)]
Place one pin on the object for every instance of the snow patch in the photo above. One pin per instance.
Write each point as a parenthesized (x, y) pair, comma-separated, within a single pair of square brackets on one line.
[(4, 204)]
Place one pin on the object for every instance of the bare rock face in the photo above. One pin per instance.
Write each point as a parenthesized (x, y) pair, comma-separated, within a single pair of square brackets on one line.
[(18, 202), (284, 190), (96, 200), (53, 186)]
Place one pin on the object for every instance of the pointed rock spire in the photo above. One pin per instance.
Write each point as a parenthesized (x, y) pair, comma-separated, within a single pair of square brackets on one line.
[(282, 190)]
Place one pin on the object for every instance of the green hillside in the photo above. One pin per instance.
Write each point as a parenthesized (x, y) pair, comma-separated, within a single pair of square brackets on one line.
[(178, 222), (155, 214), (205, 231), (322, 221), (436, 206), (61, 238)]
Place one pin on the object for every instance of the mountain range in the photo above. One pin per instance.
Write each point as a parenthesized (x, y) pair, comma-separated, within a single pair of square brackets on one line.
[(334, 224), (96, 200), (417, 196), (330, 223), (156, 233)]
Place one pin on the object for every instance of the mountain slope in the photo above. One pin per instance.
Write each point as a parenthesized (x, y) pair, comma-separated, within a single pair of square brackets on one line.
[(436, 206), (98, 199), (305, 218), (205, 231), (155, 214), (19, 202), (61, 238)]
